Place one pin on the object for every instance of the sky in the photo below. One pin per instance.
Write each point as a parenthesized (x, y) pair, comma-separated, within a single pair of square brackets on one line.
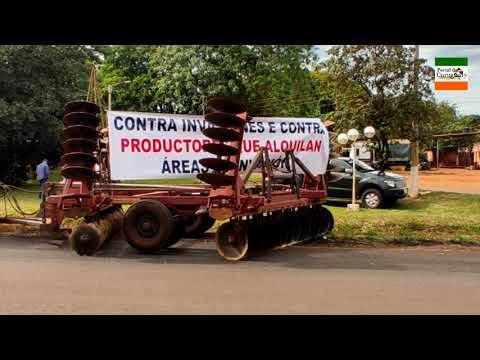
[(466, 102)]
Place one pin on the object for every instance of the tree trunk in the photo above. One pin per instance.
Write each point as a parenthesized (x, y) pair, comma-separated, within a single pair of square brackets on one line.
[(383, 152)]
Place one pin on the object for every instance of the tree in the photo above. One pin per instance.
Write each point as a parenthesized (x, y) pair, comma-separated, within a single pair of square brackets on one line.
[(450, 122), (133, 63), (374, 85), (35, 83), (323, 90), (178, 79)]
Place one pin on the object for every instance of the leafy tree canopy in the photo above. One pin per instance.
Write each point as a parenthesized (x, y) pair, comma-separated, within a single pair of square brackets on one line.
[(35, 83), (271, 79), (374, 85)]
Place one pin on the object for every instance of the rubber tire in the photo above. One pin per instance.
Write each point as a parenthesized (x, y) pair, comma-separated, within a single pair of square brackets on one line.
[(375, 191), (177, 233), (198, 226), (158, 212)]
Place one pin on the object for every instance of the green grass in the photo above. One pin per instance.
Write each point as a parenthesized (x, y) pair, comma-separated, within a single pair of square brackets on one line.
[(28, 199), (437, 216)]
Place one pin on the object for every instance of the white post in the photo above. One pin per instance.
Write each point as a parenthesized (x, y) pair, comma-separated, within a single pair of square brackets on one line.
[(110, 97), (353, 206), (354, 172), (414, 157)]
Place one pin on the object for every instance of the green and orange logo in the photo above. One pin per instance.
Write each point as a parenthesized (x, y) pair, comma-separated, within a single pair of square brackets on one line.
[(451, 73)]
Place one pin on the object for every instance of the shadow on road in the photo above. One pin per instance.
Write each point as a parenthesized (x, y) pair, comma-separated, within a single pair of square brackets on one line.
[(310, 256), (297, 257)]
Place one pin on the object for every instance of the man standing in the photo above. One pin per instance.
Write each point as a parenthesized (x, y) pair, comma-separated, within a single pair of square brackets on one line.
[(42, 176)]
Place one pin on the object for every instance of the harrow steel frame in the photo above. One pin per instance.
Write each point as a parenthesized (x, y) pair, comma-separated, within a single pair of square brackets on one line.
[(285, 208)]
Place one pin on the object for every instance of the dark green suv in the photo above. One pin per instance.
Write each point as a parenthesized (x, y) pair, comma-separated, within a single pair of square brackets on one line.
[(375, 189)]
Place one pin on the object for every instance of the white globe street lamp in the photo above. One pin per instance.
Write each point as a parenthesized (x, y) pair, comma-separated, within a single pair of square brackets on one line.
[(352, 135), (342, 138), (369, 132)]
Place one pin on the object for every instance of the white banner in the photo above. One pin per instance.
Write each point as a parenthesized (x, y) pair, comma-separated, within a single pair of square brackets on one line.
[(162, 146)]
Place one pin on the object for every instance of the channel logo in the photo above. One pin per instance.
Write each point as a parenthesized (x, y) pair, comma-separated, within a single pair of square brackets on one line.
[(451, 74)]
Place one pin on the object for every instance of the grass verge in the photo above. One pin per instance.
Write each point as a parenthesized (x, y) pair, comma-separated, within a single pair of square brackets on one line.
[(435, 217)]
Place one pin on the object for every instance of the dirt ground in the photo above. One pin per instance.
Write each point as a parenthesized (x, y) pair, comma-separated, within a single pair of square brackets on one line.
[(449, 180)]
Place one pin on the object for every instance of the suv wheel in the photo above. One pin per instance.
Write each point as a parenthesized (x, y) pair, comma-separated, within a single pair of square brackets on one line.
[(372, 199)]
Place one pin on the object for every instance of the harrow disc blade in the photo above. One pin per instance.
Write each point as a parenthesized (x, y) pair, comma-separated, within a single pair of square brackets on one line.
[(218, 164), (77, 173), (297, 227), (277, 233), (80, 131), (79, 159), (253, 233), (216, 179), (262, 236), (84, 239), (220, 149), (81, 118), (232, 241), (288, 227), (226, 105), (327, 221), (222, 134), (320, 220), (312, 223), (79, 145), (224, 119), (81, 106)]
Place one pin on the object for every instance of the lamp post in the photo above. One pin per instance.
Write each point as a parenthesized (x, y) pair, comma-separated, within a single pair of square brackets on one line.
[(110, 90), (352, 135)]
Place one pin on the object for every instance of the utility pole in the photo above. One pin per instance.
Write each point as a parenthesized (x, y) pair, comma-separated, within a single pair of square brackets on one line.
[(414, 155), (110, 89)]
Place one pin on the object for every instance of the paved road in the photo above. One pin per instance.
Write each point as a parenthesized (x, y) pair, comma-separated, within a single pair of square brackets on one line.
[(37, 277)]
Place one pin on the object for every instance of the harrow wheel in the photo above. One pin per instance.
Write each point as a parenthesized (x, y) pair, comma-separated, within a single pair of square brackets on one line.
[(232, 240), (148, 226), (177, 234)]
